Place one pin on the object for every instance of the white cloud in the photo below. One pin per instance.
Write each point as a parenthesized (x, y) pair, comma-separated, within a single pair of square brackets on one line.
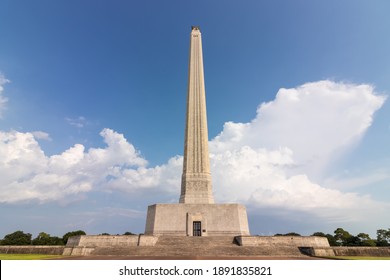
[(166, 177), (3, 100), (78, 122), (257, 179), (27, 174), (318, 122), (41, 135), (268, 163)]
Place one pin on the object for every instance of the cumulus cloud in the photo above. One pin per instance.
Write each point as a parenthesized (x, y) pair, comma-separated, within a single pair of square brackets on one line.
[(3, 100), (167, 177), (317, 121), (26, 173), (257, 178), (270, 162), (277, 159)]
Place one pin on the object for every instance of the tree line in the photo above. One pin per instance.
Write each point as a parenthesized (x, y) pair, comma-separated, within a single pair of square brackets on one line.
[(43, 238), (342, 237)]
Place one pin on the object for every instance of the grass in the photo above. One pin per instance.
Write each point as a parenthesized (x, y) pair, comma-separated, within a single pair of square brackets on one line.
[(45, 257), (359, 258), (27, 257), (363, 258)]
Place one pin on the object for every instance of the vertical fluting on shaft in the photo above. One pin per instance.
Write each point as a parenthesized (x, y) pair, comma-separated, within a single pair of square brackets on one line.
[(196, 179)]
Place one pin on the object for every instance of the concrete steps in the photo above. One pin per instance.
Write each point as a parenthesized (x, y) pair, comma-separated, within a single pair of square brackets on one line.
[(216, 251), (198, 246), (195, 241)]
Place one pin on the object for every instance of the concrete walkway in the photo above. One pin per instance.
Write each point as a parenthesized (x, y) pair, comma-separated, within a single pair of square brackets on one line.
[(111, 257)]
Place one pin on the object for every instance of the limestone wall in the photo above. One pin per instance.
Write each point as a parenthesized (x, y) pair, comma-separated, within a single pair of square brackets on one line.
[(317, 251), (216, 219), (47, 250), (298, 241), (103, 240), (84, 245), (362, 251), (346, 251)]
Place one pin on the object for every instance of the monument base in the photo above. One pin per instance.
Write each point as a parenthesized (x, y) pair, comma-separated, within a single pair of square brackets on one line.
[(193, 247), (196, 220)]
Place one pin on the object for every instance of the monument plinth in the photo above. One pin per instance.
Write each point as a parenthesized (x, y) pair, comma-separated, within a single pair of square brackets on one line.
[(196, 214)]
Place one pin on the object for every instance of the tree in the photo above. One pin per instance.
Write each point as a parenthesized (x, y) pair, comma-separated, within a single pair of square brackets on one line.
[(383, 237), (17, 238), (365, 240), (288, 234), (104, 233), (45, 239), (318, 233), (331, 239), (352, 241), (55, 240), (292, 234), (128, 233), (72, 233), (342, 237), (42, 239)]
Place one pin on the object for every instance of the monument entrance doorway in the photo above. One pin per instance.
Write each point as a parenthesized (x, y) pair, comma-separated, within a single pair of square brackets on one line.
[(197, 228)]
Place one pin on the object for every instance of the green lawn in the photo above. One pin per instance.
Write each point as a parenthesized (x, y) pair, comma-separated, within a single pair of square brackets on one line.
[(359, 258), (27, 257)]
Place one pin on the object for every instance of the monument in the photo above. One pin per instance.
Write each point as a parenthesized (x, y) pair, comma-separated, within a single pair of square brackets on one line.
[(219, 229), (196, 214)]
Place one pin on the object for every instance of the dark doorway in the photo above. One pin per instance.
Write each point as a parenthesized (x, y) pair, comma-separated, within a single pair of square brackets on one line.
[(197, 228)]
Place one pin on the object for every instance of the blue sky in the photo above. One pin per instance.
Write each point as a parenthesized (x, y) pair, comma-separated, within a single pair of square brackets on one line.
[(92, 106)]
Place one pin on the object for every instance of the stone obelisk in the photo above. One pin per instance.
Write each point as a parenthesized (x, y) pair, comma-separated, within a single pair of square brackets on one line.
[(196, 214), (196, 178)]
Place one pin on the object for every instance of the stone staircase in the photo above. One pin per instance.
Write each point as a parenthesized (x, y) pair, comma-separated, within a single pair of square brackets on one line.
[(196, 241), (198, 246)]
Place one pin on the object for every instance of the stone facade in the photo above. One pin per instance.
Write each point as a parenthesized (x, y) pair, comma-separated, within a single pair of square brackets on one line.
[(179, 219), (32, 249), (196, 179), (298, 241)]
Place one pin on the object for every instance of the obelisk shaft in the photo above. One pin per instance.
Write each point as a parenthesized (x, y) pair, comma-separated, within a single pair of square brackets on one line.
[(196, 179)]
